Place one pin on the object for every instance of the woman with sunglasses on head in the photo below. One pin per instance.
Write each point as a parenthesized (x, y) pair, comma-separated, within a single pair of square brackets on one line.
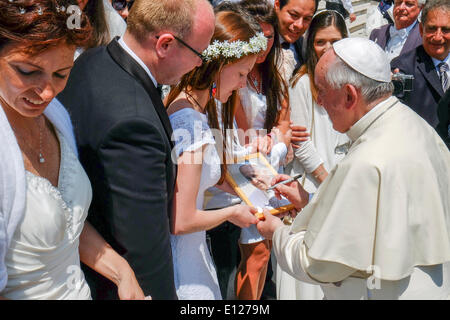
[(122, 7), (325, 147), (194, 112), (44, 192)]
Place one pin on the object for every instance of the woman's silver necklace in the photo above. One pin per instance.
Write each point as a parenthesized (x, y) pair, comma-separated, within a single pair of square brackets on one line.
[(41, 156)]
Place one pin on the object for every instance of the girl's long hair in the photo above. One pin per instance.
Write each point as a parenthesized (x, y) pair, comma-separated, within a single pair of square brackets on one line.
[(274, 87), (229, 26)]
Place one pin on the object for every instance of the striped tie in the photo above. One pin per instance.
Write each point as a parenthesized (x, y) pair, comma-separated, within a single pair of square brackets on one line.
[(443, 69)]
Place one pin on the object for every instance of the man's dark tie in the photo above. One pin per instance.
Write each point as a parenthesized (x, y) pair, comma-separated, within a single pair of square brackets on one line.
[(285, 45), (443, 68), (159, 88)]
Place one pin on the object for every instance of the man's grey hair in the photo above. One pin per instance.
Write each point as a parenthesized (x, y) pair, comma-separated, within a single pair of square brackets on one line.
[(339, 73), (421, 2), (432, 5)]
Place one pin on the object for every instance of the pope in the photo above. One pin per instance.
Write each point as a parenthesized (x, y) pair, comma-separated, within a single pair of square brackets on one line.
[(379, 226)]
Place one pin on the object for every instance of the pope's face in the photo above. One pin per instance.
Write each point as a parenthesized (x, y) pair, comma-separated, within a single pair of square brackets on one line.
[(294, 18), (436, 33), (333, 100), (405, 13)]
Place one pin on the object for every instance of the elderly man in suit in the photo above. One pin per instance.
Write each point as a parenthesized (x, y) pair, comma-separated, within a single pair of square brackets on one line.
[(428, 63), (124, 134), (404, 35)]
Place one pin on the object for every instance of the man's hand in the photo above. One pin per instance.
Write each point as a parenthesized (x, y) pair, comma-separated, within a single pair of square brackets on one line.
[(292, 191), (268, 225), (352, 17)]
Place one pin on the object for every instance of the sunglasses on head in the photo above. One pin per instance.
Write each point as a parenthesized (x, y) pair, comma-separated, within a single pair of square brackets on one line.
[(120, 5)]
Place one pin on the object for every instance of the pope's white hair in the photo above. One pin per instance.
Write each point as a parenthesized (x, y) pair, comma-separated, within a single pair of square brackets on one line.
[(339, 74), (421, 2)]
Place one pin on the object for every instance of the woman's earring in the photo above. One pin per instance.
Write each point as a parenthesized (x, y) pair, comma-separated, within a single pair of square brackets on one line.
[(212, 94)]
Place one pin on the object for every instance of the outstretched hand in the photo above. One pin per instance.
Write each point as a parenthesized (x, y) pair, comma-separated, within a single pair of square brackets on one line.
[(268, 224), (243, 216)]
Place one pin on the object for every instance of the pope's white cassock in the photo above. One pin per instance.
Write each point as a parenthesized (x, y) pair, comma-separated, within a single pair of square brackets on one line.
[(379, 225)]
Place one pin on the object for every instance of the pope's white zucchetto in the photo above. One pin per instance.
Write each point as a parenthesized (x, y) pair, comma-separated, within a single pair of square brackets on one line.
[(365, 57)]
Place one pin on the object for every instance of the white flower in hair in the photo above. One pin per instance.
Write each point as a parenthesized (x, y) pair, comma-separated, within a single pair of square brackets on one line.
[(235, 49)]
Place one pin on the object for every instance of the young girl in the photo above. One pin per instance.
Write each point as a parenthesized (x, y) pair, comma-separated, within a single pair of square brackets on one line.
[(193, 114)]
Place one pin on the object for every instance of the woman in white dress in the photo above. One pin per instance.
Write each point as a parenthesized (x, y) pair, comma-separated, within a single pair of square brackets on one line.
[(44, 191), (317, 156), (194, 116)]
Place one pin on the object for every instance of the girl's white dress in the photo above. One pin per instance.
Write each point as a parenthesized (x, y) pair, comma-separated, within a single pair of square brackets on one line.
[(195, 273)]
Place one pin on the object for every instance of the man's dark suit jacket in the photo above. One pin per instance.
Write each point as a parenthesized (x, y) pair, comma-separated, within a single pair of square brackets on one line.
[(381, 36), (443, 114), (427, 87), (123, 136)]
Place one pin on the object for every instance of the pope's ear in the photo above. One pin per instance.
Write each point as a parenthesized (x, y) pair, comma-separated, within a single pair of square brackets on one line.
[(421, 29), (351, 95)]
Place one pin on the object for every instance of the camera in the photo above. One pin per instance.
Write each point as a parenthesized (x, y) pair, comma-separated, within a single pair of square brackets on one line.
[(402, 83)]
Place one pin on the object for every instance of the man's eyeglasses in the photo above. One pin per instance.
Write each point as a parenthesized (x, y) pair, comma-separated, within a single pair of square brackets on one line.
[(189, 47), (120, 5)]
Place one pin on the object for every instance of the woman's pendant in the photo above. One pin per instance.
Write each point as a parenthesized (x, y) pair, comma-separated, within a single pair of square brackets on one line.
[(41, 158)]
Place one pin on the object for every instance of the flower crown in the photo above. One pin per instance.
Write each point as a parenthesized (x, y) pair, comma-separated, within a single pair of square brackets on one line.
[(235, 49)]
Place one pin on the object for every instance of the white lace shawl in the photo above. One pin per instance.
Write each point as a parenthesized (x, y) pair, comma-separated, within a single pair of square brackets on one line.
[(12, 176)]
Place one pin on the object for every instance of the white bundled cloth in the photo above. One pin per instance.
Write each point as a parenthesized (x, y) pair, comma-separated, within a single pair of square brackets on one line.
[(12, 176)]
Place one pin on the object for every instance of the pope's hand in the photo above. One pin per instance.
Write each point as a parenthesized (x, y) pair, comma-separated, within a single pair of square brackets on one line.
[(268, 225), (292, 191)]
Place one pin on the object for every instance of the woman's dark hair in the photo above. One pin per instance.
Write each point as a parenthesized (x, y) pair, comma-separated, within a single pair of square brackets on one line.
[(36, 25), (274, 86), (321, 20), (230, 26), (95, 11)]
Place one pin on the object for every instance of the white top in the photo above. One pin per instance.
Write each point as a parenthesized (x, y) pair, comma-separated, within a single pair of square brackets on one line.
[(397, 40), (384, 208), (43, 261), (326, 146), (194, 271)]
